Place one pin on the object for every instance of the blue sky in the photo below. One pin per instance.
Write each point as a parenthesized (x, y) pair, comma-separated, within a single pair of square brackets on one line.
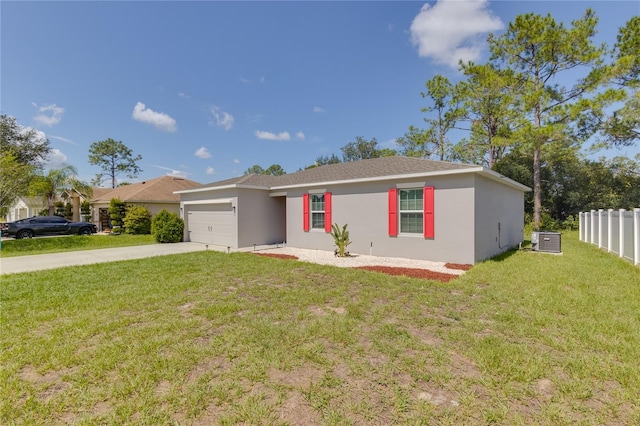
[(205, 90)]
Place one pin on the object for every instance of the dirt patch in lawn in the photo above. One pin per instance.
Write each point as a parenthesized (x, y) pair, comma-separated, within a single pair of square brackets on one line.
[(411, 272), (278, 256)]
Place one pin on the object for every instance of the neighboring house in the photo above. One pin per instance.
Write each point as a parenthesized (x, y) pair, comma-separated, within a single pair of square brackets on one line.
[(154, 194), (394, 206), (75, 198), (24, 207)]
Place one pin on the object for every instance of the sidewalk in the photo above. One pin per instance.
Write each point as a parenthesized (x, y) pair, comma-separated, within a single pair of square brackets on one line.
[(11, 265)]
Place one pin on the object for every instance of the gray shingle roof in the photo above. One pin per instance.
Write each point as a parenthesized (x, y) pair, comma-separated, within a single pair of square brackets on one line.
[(366, 169), (354, 171), (251, 179)]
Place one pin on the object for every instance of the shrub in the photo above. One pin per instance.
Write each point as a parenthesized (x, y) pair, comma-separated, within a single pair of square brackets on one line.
[(117, 211), (85, 211), (137, 220), (58, 209), (341, 239), (167, 227)]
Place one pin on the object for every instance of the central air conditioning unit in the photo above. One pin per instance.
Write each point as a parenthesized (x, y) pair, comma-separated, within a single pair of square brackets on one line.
[(548, 242)]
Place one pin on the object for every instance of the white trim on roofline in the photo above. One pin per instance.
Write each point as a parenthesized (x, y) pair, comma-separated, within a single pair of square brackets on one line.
[(212, 201), (218, 188), (479, 169), (501, 178), (482, 170)]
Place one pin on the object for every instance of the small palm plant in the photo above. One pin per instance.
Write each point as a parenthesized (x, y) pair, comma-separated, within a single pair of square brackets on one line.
[(341, 239)]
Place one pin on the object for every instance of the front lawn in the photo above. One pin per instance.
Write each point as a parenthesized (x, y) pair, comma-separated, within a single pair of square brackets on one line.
[(215, 338), (40, 245)]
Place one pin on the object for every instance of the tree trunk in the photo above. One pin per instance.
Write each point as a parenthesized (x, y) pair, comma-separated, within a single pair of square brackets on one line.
[(537, 189)]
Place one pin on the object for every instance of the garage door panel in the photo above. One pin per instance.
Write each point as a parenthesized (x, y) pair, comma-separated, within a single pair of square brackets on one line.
[(212, 227)]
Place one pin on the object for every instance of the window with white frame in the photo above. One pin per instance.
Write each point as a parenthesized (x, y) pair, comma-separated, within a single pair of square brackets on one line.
[(317, 211), (411, 211)]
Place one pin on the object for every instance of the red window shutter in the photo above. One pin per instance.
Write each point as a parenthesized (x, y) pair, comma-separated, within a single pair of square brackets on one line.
[(393, 212), (305, 212), (429, 212), (327, 212)]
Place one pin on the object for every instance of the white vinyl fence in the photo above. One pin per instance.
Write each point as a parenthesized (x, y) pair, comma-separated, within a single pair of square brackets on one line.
[(617, 231)]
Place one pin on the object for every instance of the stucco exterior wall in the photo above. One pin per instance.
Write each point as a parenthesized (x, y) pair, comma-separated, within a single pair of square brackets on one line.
[(201, 199), (364, 207), (499, 219), (261, 218)]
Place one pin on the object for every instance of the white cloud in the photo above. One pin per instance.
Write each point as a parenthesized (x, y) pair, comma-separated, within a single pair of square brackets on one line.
[(159, 120), (172, 172), (210, 170), (49, 114), (177, 173), (222, 119), (451, 31), (202, 152), (244, 80), (55, 159), (254, 118), (65, 140), (282, 136), (300, 136), (184, 95), (236, 161), (262, 79), (319, 109)]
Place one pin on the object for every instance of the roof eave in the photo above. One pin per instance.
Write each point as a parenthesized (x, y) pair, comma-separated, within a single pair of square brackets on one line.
[(495, 176), (382, 178), (219, 188)]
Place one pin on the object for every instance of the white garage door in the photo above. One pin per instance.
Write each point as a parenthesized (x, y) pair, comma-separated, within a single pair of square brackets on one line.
[(212, 224)]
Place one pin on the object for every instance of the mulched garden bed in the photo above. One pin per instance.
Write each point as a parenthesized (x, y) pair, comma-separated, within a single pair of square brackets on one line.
[(458, 266), (409, 272)]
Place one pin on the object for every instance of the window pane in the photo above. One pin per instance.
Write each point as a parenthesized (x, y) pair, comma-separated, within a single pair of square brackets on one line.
[(411, 199), (317, 220), (411, 223), (317, 203)]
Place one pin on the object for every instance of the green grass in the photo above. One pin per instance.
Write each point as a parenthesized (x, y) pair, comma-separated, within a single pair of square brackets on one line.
[(41, 245), (212, 338)]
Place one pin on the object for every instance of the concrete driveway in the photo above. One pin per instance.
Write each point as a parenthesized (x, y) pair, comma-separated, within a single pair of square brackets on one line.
[(11, 265)]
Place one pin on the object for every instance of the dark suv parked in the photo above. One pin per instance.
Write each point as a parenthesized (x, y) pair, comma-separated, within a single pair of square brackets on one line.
[(46, 225)]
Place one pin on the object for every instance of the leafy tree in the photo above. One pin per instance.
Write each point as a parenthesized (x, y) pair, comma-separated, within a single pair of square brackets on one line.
[(623, 127), (415, 143), (488, 104), (325, 159), (137, 220), (362, 149), (255, 169), (575, 183), (541, 51), (51, 184), (114, 158), (25, 144), (15, 178), (22, 151), (273, 170), (445, 106)]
